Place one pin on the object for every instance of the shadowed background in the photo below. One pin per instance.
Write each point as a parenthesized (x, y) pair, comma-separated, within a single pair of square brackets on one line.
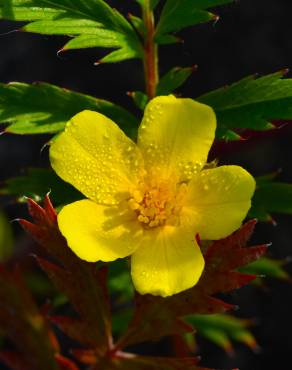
[(252, 36)]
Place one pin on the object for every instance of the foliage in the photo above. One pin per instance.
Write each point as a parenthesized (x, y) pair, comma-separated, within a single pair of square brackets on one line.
[(252, 103), (271, 197), (102, 322), (43, 108), (223, 329), (27, 328), (86, 290), (177, 15), (38, 182), (6, 238), (91, 24)]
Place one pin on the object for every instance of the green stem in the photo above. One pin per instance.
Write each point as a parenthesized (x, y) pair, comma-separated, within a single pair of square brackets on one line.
[(150, 52)]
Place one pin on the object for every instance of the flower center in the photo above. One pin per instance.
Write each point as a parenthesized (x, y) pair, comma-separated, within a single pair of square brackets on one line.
[(159, 204)]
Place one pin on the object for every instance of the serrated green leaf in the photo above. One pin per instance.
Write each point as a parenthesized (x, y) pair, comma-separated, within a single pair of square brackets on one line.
[(223, 329), (267, 267), (177, 15), (252, 103), (271, 197), (45, 108), (173, 79), (6, 238), (38, 182), (87, 21)]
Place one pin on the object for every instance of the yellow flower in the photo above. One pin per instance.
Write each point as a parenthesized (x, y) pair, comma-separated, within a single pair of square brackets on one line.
[(149, 199)]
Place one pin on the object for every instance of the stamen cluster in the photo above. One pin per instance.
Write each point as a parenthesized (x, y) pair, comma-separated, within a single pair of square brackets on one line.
[(158, 205)]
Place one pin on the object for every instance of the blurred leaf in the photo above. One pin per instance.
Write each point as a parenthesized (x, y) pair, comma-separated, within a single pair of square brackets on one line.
[(91, 24), (223, 329), (271, 197), (151, 363), (120, 321), (222, 257), (153, 3), (167, 39), (267, 267), (37, 183), (140, 99), (173, 79), (120, 282), (81, 282), (252, 103), (43, 108), (22, 322), (138, 23), (177, 15), (6, 238)]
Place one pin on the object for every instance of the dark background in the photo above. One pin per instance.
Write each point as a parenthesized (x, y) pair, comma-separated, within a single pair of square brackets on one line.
[(252, 36)]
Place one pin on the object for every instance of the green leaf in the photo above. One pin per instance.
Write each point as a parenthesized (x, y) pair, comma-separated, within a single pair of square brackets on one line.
[(139, 24), (177, 15), (173, 79), (120, 282), (91, 24), (140, 99), (153, 3), (267, 267), (6, 238), (37, 183), (252, 103), (223, 329), (167, 39), (43, 108), (271, 197)]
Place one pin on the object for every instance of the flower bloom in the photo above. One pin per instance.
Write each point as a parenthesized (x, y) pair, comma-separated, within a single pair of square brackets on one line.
[(149, 199)]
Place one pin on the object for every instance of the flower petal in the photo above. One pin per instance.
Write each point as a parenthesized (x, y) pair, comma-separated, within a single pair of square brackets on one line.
[(176, 135), (167, 262), (99, 233), (218, 201), (95, 156)]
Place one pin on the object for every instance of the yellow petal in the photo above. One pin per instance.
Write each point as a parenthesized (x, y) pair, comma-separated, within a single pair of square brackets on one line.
[(99, 233), (167, 262), (175, 136), (95, 156), (218, 201)]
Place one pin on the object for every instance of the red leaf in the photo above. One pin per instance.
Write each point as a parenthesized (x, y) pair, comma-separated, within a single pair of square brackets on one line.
[(65, 364), (22, 322), (124, 361), (164, 314), (82, 283)]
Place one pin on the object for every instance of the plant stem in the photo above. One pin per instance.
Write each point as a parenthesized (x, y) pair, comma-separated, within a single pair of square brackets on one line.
[(150, 52)]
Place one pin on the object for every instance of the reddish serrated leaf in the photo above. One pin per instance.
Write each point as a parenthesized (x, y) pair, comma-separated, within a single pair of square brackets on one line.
[(222, 257), (50, 210), (76, 329), (22, 322), (65, 364), (82, 283), (237, 240), (87, 357), (223, 282), (37, 212), (242, 257), (125, 361)]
